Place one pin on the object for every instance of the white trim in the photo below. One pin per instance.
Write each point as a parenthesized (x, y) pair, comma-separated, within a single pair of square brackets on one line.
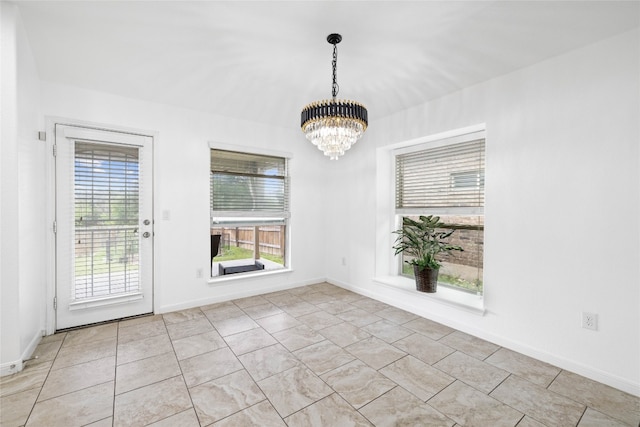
[(100, 302), (57, 120), (386, 264), (91, 134), (249, 222), (50, 124), (247, 218), (251, 150), (432, 142), (454, 298), (50, 241), (286, 215), (232, 292), (435, 137), (397, 298), (9, 368)]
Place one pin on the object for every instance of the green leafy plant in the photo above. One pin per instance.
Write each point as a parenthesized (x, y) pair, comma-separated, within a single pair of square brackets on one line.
[(423, 240)]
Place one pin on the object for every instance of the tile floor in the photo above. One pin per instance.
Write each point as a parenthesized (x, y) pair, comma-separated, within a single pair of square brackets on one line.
[(312, 356)]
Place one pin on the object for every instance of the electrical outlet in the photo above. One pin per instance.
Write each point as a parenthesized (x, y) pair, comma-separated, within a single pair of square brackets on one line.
[(590, 321), (199, 273), (344, 261)]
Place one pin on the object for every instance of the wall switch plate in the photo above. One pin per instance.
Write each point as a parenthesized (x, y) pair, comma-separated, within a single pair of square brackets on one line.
[(590, 321)]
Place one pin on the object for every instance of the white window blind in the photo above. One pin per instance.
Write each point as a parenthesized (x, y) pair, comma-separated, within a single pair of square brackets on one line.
[(106, 198), (244, 184), (449, 176)]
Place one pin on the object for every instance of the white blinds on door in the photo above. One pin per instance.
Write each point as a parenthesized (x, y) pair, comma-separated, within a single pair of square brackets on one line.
[(106, 199)]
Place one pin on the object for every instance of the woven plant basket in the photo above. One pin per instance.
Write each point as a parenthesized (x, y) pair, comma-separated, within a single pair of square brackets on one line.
[(426, 280)]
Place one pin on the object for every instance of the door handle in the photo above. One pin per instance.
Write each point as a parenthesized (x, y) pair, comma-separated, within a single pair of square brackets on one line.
[(146, 222), (146, 234)]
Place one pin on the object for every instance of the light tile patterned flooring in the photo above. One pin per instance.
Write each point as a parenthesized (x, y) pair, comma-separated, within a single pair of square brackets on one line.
[(312, 356)]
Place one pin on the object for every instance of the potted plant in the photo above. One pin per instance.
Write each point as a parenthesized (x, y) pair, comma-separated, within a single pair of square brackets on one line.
[(423, 240)]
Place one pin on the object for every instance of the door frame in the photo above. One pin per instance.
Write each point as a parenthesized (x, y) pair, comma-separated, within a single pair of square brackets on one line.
[(50, 171)]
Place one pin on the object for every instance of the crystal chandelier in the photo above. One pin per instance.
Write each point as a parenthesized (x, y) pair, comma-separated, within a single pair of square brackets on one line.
[(334, 125)]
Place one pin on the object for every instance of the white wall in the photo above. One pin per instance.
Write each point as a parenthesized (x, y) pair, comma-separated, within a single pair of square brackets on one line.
[(562, 209), (10, 337), (31, 193), (23, 254), (181, 154)]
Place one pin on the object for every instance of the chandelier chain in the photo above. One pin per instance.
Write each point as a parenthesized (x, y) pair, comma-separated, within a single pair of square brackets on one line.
[(334, 87)]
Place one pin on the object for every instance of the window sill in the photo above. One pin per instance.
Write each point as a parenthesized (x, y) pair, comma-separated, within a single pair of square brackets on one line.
[(447, 296), (220, 280)]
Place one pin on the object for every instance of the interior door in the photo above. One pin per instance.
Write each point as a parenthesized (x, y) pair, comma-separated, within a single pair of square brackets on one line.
[(104, 225)]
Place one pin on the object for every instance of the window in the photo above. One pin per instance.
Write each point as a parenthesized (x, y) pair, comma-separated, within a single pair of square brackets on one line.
[(446, 178), (249, 202)]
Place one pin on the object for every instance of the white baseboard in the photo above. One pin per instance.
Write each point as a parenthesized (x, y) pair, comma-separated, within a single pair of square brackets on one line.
[(399, 300), (234, 292), (9, 368)]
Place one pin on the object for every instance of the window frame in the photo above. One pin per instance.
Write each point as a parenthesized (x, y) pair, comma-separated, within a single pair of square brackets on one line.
[(472, 211), (386, 267), (249, 218)]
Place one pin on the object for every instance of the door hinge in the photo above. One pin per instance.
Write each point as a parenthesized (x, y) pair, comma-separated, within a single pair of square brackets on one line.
[(55, 303), (55, 227), (55, 150), (42, 136)]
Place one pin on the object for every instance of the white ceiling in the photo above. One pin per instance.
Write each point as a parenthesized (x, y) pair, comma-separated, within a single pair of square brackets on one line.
[(265, 60)]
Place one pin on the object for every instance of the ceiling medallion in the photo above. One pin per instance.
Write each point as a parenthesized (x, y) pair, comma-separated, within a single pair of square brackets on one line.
[(334, 125)]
